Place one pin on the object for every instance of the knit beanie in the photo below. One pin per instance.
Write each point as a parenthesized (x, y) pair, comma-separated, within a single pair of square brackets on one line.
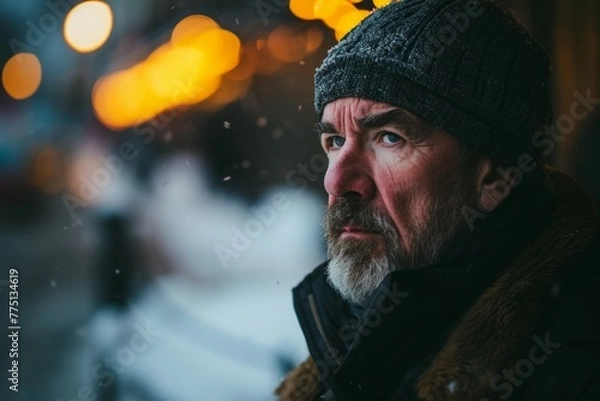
[(466, 66)]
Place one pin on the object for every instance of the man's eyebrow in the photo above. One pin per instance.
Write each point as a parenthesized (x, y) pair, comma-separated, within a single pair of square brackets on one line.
[(398, 119), (324, 128)]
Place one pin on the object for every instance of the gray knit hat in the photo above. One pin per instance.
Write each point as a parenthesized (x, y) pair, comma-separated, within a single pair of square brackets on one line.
[(464, 65)]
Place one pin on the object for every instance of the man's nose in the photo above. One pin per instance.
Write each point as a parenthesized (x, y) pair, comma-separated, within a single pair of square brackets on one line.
[(349, 174)]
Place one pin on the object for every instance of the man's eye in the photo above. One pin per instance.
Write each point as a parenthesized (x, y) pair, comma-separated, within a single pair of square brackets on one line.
[(389, 138), (335, 141)]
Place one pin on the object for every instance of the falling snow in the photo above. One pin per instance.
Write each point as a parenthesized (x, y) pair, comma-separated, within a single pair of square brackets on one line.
[(226, 124)]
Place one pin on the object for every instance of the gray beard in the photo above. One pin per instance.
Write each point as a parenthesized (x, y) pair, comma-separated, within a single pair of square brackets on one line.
[(357, 267)]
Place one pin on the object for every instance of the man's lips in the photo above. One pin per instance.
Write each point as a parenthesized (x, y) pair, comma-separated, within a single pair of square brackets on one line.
[(357, 231)]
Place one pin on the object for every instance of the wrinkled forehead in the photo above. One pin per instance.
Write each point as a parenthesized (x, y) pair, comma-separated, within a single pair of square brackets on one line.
[(353, 113), (353, 107)]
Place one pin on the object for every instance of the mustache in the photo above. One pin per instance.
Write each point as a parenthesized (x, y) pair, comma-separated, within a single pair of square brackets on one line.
[(347, 212)]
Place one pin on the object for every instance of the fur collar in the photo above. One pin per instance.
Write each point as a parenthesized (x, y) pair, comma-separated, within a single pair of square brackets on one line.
[(496, 330)]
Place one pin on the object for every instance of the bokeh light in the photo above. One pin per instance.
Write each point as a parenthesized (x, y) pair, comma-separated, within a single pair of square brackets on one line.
[(185, 71), (339, 15), (190, 27), (348, 22), (22, 75), (381, 3), (247, 65), (47, 170), (293, 43), (88, 25), (331, 11), (303, 9)]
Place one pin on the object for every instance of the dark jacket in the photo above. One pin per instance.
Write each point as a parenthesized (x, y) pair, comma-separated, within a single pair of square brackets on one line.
[(514, 315)]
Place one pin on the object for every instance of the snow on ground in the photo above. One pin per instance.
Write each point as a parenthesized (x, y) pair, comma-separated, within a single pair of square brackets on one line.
[(222, 331)]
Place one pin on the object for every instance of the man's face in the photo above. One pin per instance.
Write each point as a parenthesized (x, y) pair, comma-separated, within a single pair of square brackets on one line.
[(395, 193)]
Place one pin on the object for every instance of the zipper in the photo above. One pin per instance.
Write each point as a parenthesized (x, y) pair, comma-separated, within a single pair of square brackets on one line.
[(317, 319)]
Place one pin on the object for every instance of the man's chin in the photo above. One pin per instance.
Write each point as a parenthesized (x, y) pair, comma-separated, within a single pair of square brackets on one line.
[(356, 280)]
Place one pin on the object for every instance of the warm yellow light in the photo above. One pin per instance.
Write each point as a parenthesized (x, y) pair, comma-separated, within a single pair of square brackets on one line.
[(88, 25), (331, 11), (229, 91), (199, 90), (247, 65), (22, 75), (190, 27), (381, 3), (303, 9), (220, 51), (168, 67), (349, 21), (122, 99), (187, 70)]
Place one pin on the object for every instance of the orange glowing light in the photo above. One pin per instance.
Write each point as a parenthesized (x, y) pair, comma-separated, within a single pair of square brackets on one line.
[(122, 99), (229, 91), (220, 49), (293, 43), (287, 44), (332, 11), (22, 75), (303, 9), (348, 22), (88, 25), (187, 70), (381, 3), (314, 39), (190, 27), (247, 65)]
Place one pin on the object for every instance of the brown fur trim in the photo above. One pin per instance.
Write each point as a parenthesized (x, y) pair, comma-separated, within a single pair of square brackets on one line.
[(497, 330), (301, 384)]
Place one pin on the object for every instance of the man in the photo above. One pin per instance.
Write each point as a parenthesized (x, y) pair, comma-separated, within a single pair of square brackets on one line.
[(460, 267)]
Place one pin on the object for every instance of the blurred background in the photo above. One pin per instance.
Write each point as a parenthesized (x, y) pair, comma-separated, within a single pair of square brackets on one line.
[(161, 184)]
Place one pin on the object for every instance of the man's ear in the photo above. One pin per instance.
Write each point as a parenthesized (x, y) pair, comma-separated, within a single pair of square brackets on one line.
[(492, 188)]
